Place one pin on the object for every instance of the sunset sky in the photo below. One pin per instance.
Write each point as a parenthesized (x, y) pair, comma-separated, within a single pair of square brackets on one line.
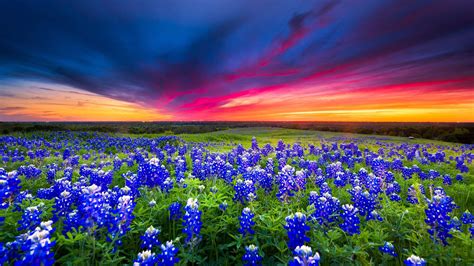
[(300, 60)]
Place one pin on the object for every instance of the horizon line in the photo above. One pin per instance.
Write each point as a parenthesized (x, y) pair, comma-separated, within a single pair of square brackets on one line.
[(244, 121)]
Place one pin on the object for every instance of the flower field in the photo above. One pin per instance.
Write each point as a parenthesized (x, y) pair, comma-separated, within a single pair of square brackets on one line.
[(258, 196)]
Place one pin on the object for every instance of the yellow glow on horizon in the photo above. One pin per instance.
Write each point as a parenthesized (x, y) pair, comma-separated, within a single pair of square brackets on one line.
[(39, 102), (31, 102)]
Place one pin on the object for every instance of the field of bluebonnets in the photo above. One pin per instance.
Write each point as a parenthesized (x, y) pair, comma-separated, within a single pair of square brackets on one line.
[(225, 198)]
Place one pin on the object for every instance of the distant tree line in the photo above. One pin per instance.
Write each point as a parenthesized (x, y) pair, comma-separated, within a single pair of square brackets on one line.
[(451, 132)]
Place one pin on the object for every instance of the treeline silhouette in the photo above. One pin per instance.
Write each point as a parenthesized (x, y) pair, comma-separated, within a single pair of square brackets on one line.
[(451, 132)]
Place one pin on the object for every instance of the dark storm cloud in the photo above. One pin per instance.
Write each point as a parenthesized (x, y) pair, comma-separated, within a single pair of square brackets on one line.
[(173, 52)]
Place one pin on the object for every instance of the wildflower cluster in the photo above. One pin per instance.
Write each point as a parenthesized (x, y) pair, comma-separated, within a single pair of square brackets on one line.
[(175, 211), (246, 222), (304, 257), (192, 221), (150, 238), (244, 191), (296, 229), (326, 208), (414, 261), (251, 256), (389, 249), (351, 221), (437, 216)]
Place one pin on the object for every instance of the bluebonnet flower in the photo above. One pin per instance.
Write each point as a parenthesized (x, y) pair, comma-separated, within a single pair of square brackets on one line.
[(468, 218), (74, 160), (251, 256), (326, 207), (29, 171), (461, 166), (389, 177), (192, 221), (51, 175), (22, 196), (414, 261), (175, 211), (340, 179), (447, 180), (167, 185), (94, 208), (9, 187), (150, 238), (30, 218), (378, 165), (389, 249), (254, 144), (244, 191), (365, 202), (117, 164), (38, 246), (66, 153), (300, 180), (407, 172), (397, 164), (246, 222), (286, 183), (437, 216), (223, 206), (168, 257), (3, 254), (152, 173), (101, 178), (375, 184), (73, 220), (456, 224), (304, 257), (325, 188), (411, 195), (296, 229), (121, 218), (229, 173), (433, 174), (146, 258), (15, 248), (62, 205), (351, 221), (374, 215)]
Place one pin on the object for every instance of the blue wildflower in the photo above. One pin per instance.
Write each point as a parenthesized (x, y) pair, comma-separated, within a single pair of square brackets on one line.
[(251, 256), (414, 261), (30, 218), (389, 249), (296, 229), (192, 221), (437, 216), (175, 211), (150, 238), (351, 221), (146, 258), (38, 246), (246, 222), (168, 257), (304, 257)]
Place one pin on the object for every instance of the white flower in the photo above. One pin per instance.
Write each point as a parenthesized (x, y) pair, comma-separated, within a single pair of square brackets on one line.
[(192, 203)]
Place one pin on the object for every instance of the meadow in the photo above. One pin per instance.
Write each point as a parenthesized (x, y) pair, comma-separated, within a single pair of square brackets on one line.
[(242, 196)]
